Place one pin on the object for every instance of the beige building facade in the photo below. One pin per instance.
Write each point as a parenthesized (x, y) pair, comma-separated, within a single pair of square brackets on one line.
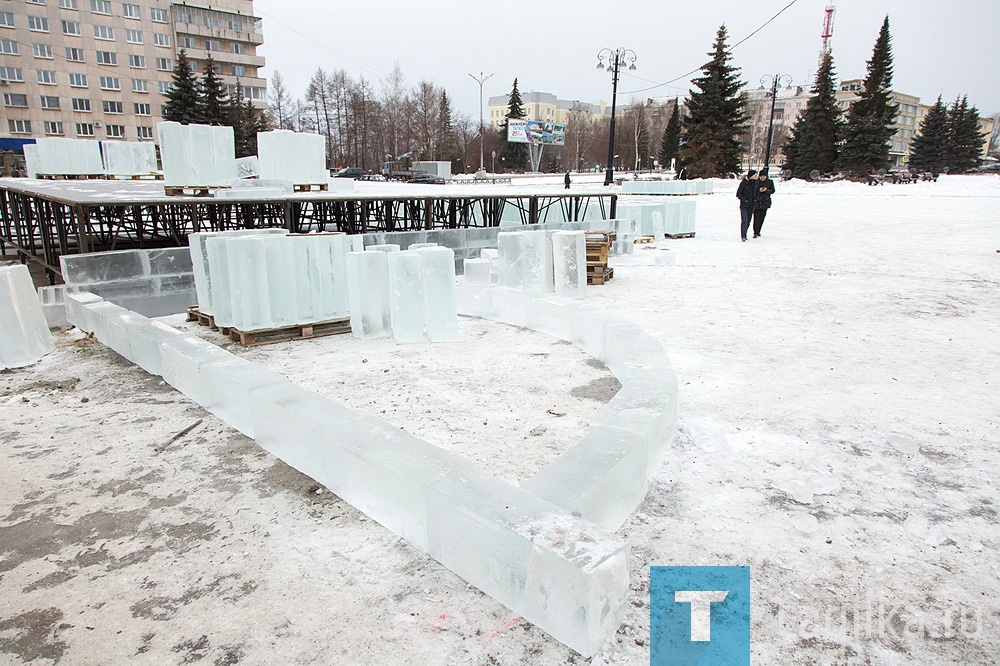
[(908, 118), (101, 69), (544, 108)]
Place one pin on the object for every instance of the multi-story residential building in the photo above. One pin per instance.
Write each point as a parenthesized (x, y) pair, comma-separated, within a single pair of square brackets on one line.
[(100, 69), (907, 117), (788, 104), (544, 107)]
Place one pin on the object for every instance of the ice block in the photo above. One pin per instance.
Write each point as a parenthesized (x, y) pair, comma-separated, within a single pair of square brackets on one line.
[(24, 333), (194, 155), (60, 156), (510, 262), (441, 314), (477, 271), (406, 296), (368, 286), (569, 254), (299, 158), (129, 158)]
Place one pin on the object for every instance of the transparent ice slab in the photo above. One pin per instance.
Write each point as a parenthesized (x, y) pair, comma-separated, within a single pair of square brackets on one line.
[(406, 296), (299, 158), (69, 156), (368, 287), (441, 314), (182, 362), (510, 259), (129, 158), (477, 271), (24, 333), (194, 155), (569, 255)]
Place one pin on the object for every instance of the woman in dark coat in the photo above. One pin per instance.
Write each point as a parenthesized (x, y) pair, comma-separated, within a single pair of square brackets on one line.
[(764, 191), (747, 194)]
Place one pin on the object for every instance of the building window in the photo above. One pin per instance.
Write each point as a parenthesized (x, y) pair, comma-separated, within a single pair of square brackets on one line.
[(78, 80), (53, 127), (164, 64), (81, 105), (71, 28), (144, 132), (239, 70), (210, 21), (9, 47), (115, 131), (104, 32), (133, 36), (140, 86), (107, 58), (15, 99), (130, 11), (19, 126), (42, 51), (49, 102), (158, 15), (67, 4), (142, 109), (236, 26), (110, 83), (166, 87), (12, 74), (46, 77), (36, 2), (84, 129), (161, 40), (74, 55), (212, 45), (137, 61), (184, 17), (7, 20), (38, 24), (100, 6), (236, 47), (186, 42), (110, 106)]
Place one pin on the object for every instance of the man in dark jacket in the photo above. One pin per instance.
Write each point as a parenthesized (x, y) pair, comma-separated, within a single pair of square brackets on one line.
[(566, 180), (765, 188), (747, 194)]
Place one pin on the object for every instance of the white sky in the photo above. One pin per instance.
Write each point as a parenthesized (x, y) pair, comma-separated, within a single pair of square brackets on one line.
[(939, 47)]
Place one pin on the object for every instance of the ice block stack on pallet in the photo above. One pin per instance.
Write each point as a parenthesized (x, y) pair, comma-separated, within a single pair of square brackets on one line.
[(298, 158), (196, 158), (130, 159), (24, 333), (269, 286), (598, 249), (673, 217), (67, 158)]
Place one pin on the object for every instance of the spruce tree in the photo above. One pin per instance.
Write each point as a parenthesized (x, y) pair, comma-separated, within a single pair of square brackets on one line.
[(871, 119), (515, 155), (929, 150), (965, 140), (716, 117), (813, 145), (241, 120), (214, 107), (670, 143), (183, 100)]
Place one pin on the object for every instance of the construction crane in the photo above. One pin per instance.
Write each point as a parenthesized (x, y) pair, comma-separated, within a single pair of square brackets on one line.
[(828, 15)]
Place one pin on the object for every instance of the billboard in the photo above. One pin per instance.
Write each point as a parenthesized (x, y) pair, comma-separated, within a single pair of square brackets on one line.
[(532, 131)]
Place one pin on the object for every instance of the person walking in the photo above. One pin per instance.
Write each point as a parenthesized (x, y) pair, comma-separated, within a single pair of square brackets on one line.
[(747, 194), (764, 191), (566, 180)]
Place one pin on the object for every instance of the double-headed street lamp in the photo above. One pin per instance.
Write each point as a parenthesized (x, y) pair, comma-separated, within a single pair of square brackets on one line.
[(615, 61), (481, 79), (773, 81)]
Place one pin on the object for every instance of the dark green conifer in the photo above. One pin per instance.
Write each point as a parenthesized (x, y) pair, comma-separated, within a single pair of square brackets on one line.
[(813, 145)]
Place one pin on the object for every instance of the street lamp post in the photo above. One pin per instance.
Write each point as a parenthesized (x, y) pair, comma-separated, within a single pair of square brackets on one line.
[(481, 79), (615, 60), (773, 81)]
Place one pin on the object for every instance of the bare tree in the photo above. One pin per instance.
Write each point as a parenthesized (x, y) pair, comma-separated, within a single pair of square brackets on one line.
[(280, 103)]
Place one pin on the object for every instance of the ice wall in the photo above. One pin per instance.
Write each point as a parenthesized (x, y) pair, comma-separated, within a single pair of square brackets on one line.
[(299, 158), (24, 333), (659, 215), (69, 156), (569, 250), (195, 155), (129, 158)]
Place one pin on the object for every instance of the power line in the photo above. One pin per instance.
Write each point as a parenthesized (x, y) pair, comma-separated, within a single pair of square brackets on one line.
[(698, 69)]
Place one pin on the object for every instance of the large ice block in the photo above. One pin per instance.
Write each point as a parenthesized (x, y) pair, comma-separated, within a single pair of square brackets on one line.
[(249, 295), (536, 261), (569, 255), (53, 300), (129, 158), (183, 359), (247, 167), (296, 157), (510, 261), (31, 160), (77, 312), (441, 318), (385, 247), (228, 385), (24, 333), (60, 156), (561, 573), (196, 154), (406, 296), (477, 271), (368, 287), (199, 260)]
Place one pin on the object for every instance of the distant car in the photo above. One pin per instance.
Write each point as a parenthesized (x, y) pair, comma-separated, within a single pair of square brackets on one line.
[(373, 177), (350, 172), (427, 179)]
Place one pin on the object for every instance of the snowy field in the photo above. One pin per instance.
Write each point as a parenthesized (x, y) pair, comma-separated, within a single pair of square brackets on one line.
[(838, 432)]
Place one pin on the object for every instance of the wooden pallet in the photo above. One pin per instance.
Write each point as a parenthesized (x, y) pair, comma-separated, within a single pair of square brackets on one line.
[(308, 187), (272, 335), (71, 176), (593, 237), (645, 239), (192, 190), (143, 176), (690, 234), (600, 278), (194, 313)]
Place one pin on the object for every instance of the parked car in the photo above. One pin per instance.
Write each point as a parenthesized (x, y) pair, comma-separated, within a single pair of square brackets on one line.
[(427, 179), (350, 172), (372, 177)]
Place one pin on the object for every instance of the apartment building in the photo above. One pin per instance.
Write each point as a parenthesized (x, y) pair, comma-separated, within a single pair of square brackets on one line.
[(100, 69), (907, 117), (789, 103), (544, 107)]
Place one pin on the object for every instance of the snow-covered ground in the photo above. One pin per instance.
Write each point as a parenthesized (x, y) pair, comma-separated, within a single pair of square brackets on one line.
[(838, 432)]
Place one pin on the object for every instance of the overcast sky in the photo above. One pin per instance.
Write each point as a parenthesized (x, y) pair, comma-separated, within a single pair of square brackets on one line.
[(947, 48)]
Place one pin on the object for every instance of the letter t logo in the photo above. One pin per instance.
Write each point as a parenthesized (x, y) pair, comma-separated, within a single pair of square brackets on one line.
[(701, 611)]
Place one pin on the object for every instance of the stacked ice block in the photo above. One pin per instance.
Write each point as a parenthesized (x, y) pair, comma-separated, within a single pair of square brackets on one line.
[(69, 157), (661, 215), (199, 261), (196, 155), (667, 187), (24, 333), (530, 261), (31, 160), (129, 158), (296, 157), (151, 282)]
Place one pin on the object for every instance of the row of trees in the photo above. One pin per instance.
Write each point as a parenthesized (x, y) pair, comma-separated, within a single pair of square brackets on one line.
[(949, 139), (207, 101)]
